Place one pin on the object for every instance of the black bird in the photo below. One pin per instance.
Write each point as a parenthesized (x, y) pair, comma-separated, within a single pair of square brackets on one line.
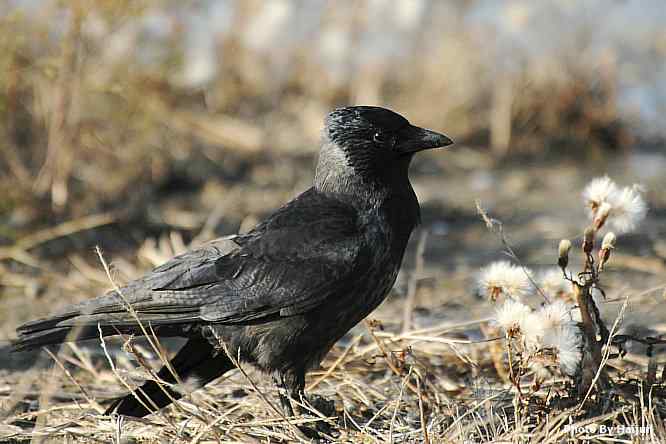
[(281, 295)]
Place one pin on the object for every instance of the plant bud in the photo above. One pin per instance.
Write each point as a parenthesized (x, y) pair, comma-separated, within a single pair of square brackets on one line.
[(607, 245), (609, 241), (604, 255), (588, 240), (563, 253)]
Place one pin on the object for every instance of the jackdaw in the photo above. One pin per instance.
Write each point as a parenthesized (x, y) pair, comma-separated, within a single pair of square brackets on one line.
[(281, 295)]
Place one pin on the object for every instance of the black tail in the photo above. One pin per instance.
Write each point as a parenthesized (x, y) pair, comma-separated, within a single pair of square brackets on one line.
[(39, 337), (198, 362), (106, 313)]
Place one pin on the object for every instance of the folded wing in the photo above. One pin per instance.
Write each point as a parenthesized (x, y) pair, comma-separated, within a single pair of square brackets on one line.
[(306, 252)]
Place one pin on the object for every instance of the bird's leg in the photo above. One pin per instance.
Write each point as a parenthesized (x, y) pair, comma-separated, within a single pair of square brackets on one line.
[(291, 385), (283, 391)]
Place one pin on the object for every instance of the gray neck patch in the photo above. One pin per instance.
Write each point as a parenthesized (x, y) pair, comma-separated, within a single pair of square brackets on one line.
[(334, 173)]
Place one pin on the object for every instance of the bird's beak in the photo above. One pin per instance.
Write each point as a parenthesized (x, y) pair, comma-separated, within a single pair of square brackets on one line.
[(413, 139)]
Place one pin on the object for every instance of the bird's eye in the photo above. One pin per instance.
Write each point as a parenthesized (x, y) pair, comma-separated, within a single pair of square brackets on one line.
[(378, 137)]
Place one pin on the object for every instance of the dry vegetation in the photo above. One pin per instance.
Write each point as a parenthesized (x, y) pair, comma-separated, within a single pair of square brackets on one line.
[(100, 146)]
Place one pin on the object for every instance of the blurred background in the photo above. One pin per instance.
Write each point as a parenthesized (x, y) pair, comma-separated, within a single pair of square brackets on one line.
[(146, 126)]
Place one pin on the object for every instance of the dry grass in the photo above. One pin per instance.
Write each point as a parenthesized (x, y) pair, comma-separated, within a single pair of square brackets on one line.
[(420, 398)]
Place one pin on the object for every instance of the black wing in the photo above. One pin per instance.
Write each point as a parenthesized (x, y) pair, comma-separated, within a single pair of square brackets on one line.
[(303, 254), (306, 252)]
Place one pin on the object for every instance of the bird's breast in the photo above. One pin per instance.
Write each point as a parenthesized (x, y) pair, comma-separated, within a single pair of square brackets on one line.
[(395, 219)]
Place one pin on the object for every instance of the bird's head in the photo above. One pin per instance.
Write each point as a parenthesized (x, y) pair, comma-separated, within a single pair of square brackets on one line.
[(371, 144)]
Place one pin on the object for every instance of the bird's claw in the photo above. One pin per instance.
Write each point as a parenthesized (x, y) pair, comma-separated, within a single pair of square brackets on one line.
[(322, 405)]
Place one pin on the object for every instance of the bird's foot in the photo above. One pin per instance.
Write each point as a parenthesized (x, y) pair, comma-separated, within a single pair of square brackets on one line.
[(322, 405), (316, 406), (319, 432), (311, 433)]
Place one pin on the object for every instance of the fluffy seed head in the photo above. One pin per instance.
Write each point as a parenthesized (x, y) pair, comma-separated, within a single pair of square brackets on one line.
[(629, 209), (532, 330), (548, 318), (504, 278), (598, 191), (555, 314), (512, 316), (623, 208), (539, 366), (553, 283), (568, 341)]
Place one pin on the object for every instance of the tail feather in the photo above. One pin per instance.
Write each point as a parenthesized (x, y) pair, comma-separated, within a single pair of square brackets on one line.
[(58, 328), (196, 362), (32, 339), (40, 338), (151, 297), (107, 313)]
